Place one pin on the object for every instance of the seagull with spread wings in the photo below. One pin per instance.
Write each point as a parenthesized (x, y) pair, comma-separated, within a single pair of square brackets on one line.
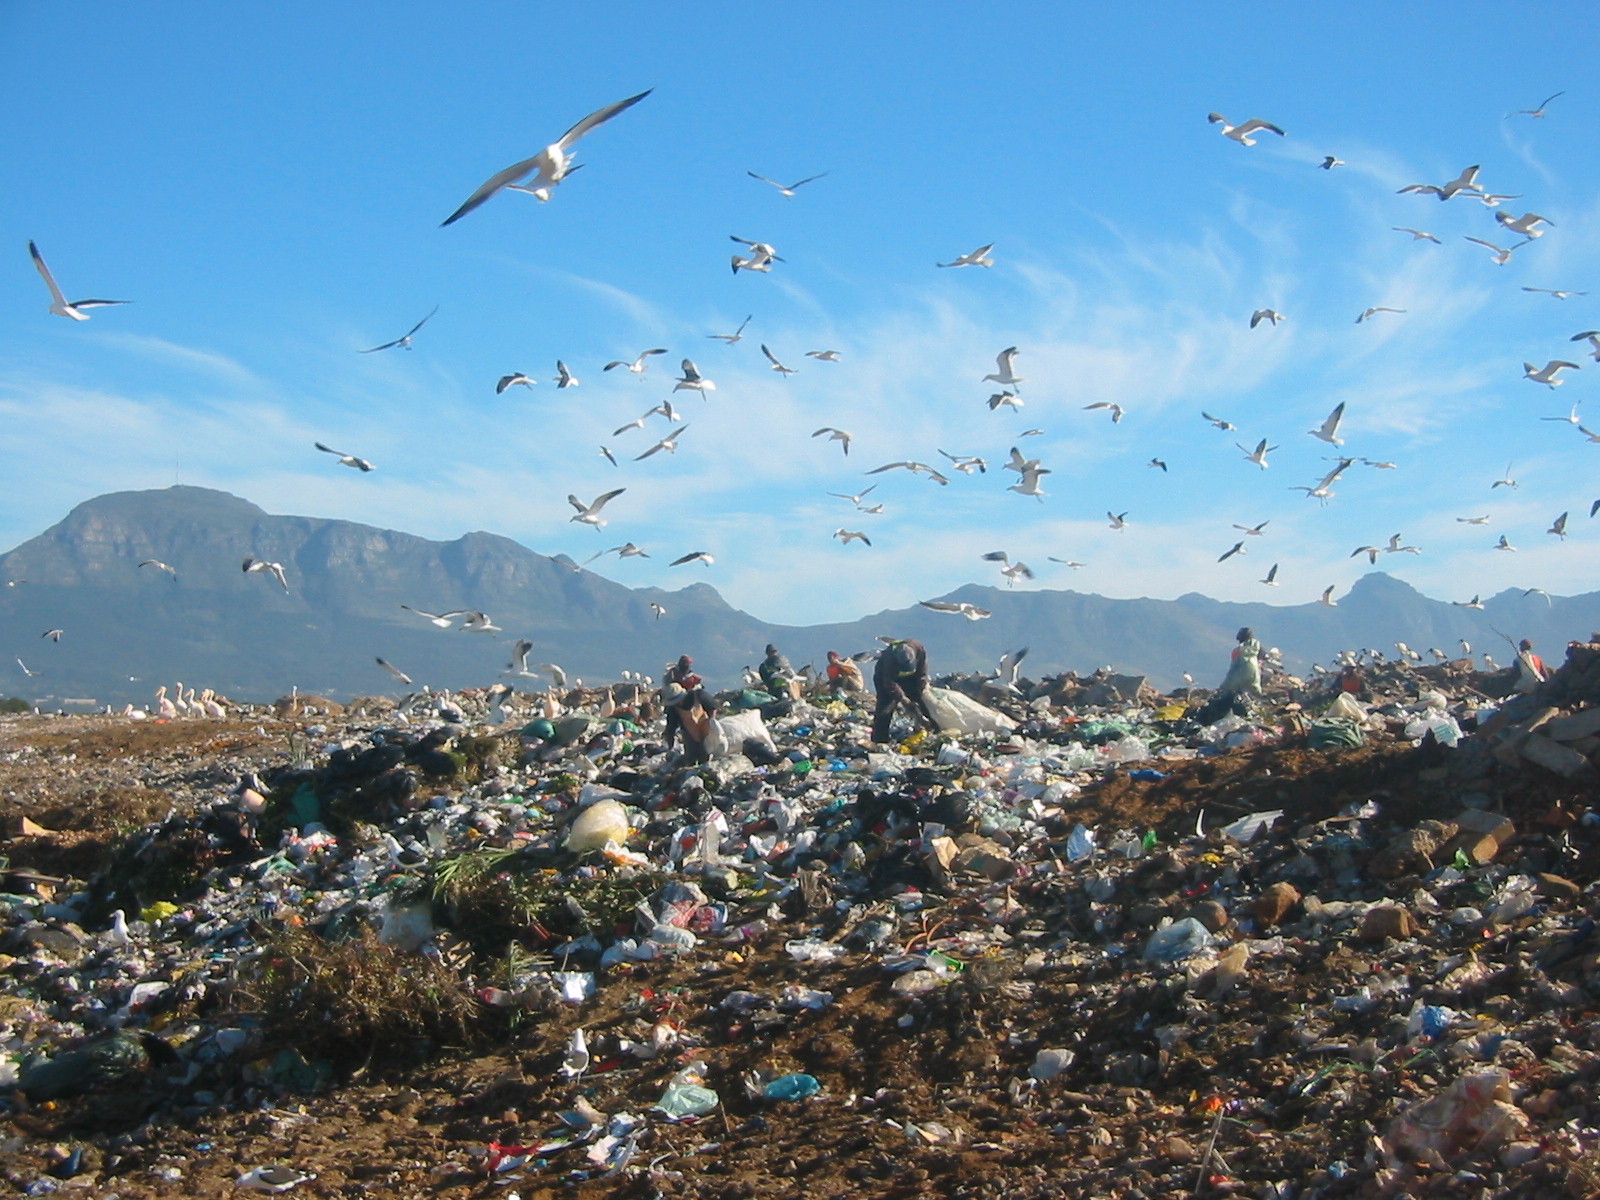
[(1466, 181), (404, 340), (977, 258), (256, 565), (916, 468), (59, 304), (1550, 373), (1219, 423), (399, 675), (1116, 410), (700, 556), (970, 611), (776, 365), (440, 620), (692, 381), (846, 536), (589, 514), (1259, 454), (790, 189), (345, 460), (548, 167), (1241, 133), (1328, 431), (1500, 254), (842, 436), (1368, 313), (160, 566), (762, 255), (564, 377), (730, 338), (1417, 235), (1534, 112), (1004, 375), (668, 443), (638, 366)]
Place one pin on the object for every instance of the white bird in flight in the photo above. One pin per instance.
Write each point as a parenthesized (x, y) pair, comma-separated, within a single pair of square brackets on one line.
[(1501, 254), (1527, 224), (730, 338), (1116, 409), (478, 622), (668, 443), (846, 536), (1550, 373), (1592, 336), (515, 379), (1504, 481), (404, 340), (701, 556), (967, 463), (916, 468), (1368, 313), (548, 167), (856, 499), (841, 436), (564, 377), (1417, 235), (1265, 314), (762, 256), (1254, 530), (1483, 520), (977, 258), (1259, 454), (1466, 181), (345, 460), (970, 611), (1225, 426), (1118, 520), (1005, 376), (823, 355), (399, 675), (1328, 431), (1571, 418), (626, 550), (1329, 162), (1327, 596), (441, 620), (638, 366), (252, 565), (776, 365), (1005, 400), (1271, 578), (1241, 133), (589, 514), (59, 304), (790, 189), (1534, 112), (1559, 527), (160, 566), (1505, 544), (1555, 293), (692, 381), (1012, 571)]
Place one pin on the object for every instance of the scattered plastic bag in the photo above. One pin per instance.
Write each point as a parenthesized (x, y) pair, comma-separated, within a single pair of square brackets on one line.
[(1175, 942), (954, 712)]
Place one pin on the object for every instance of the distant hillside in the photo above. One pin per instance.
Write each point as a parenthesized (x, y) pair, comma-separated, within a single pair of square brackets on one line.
[(127, 629)]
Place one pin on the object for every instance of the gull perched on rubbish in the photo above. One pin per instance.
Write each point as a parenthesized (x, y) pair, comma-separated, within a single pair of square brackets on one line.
[(1368, 313), (965, 463), (692, 381), (59, 304), (841, 436), (977, 258), (548, 167), (1559, 527), (970, 611), (776, 365), (638, 366), (846, 536), (1012, 571), (1265, 314), (762, 256), (916, 468), (1004, 376), (1327, 596), (399, 675), (1417, 235), (1259, 454), (790, 189), (404, 340), (515, 379), (1328, 431), (160, 566), (668, 443), (1555, 293), (701, 556), (1005, 400), (1118, 520), (1466, 181), (442, 620), (589, 514), (1505, 544), (1592, 336), (253, 565), (1254, 530), (1236, 548), (1502, 254), (1527, 224), (1225, 426), (1550, 373), (1271, 579), (345, 460), (564, 377), (1534, 112), (1241, 133), (1116, 409), (1483, 520), (1329, 162), (730, 338)]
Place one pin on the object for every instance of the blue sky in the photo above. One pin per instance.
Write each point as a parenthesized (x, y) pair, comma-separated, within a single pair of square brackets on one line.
[(267, 191)]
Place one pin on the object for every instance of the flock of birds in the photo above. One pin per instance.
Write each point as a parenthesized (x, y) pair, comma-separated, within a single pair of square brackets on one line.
[(542, 173)]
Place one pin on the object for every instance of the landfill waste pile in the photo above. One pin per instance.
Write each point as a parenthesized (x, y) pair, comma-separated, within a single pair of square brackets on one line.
[(1072, 943)]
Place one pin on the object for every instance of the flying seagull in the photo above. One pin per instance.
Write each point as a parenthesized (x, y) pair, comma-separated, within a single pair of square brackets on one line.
[(1236, 548), (970, 611), (1259, 454), (25, 670), (1116, 409), (857, 499), (1550, 373), (730, 338), (1156, 462), (1118, 520), (967, 463), (275, 569), (1592, 336), (692, 381), (1066, 562), (1494, 200), (1555, 293), (658, 608), (1368, 313), (1225, 426), (1505, 544), (548, 167), (790, 190), (1271, 579), (1559, 527), (1005, 377), (605, 452), (441, 620), (564, 378), (916, 468), (638, 365), (1504, 481), (1327, 596), (1012, 571), (399, 675), (762, 255), (1502, 254), (1534, 112), (1527, 224), (776, 365), (1329, 162), (1417, 235), (977, 258), (1371, 552), (478, 622), (1005, 400), (515, 379), (703, 556), (1466, 181), (1483, 520), (823, 355), (53, 634), (1265, 314), (1253, 530), (589, 514), (345, 460), (846, 536), (1571, 418), (404, 340), (626, 550), (836, 435), (1241, 133), (59, 304), (668, 443), (160, 566), (1329, 429)]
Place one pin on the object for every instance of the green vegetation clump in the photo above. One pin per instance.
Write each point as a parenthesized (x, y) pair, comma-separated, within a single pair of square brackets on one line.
[(13, 705)]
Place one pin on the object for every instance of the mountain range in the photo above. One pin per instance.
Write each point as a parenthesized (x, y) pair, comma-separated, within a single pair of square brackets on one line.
[(126, 629)]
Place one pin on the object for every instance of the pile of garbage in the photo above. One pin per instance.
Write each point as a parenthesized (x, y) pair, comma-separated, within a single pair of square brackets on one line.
[(1341, 943)]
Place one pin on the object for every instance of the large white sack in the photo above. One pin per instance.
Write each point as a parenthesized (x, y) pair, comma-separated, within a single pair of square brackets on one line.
[(955, 712), (728, 733)]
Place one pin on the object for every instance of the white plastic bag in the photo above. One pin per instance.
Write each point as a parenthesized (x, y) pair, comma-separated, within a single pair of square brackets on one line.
[(728, 733), (954, 712)]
